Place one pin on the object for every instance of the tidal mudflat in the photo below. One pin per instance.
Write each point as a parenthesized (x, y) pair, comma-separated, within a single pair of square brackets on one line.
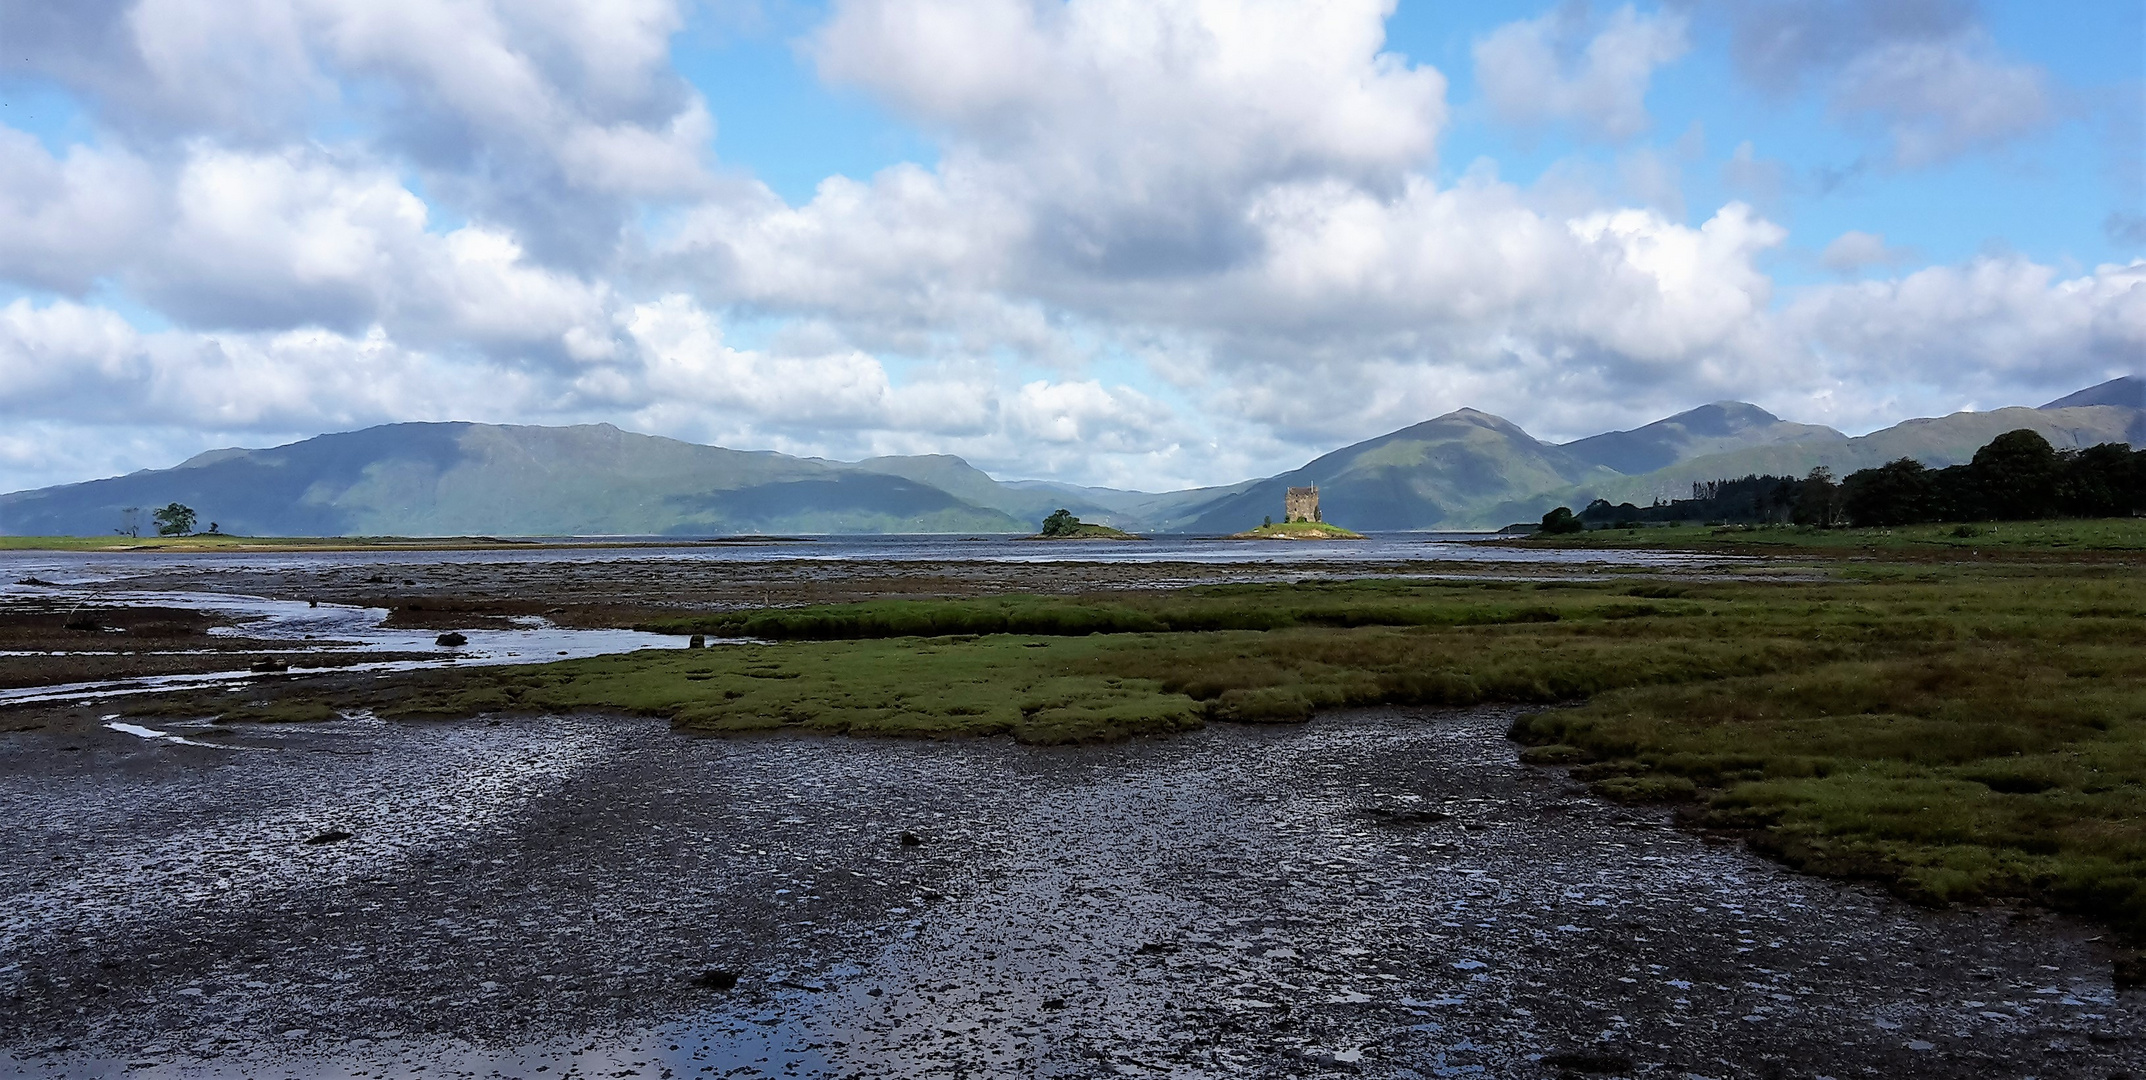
[(1376, 893)]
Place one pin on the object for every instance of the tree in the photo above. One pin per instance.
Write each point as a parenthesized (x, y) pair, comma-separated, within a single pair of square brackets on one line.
[(2017, 476), (1897, 493), (1061, 523), (130, 521), (2103, 481), (175, 520), (1561, 521), (1818, 500), (1268, 522)]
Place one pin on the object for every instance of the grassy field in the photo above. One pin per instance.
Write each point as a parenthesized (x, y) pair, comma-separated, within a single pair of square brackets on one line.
[(1958, 730), (2034, 538)]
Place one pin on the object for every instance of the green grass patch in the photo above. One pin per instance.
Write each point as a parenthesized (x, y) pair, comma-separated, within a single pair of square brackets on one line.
[(1086, 530), (1264, 607), (1298, 530), (2025, 537), (1958, 729)]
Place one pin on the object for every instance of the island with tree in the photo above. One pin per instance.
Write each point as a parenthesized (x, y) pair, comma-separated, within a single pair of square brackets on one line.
[(1062, 525)]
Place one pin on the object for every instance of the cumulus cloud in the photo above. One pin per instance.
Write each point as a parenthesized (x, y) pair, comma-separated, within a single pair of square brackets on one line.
[(548, 116), (1128, 130), (66, 220), (1993, 331), (1537, 70), (275, 239), (1164, 242)]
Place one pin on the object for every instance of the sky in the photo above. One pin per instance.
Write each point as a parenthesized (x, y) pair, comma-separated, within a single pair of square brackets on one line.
[(1138, 243)]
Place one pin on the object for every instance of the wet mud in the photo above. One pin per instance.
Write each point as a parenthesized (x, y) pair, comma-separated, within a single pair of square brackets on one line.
[(1383, 894), (587, 590)]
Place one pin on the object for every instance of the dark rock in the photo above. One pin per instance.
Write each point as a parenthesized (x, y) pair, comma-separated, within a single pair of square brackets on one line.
[(700, 641), (910, 839), (451, 639), (1406, 817), (2130, 973), (35, 580), (332, 836), (716, 979), (376, 579), (1054, 1003), (1590, 1061), (84, 622), (1155, 948), (312, 603)]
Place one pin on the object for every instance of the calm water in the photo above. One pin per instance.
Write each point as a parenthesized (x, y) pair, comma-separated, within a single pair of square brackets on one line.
[(146, 578), (81, 567)]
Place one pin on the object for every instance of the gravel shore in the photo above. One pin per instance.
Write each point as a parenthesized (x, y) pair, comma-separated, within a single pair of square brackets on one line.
[(1373, 894)]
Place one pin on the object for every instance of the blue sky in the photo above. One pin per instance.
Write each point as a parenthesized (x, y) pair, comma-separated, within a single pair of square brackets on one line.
[(1136, 243), (2048, 196)]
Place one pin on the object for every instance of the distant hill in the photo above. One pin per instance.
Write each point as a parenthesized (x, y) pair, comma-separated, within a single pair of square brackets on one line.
[(1935, 441), (1441, 473), (1708, 429), (2129, 392), (1466, 469), (468, 479)]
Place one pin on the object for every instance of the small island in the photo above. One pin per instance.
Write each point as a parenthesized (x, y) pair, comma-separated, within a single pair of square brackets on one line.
[(1298, 530), (1062, 525), (1300, 521)]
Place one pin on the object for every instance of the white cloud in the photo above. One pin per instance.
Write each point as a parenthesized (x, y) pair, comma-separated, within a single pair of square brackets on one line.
[(69, 362), (1164, 242), (1129, 129), (1995, 322), (549, 116), (64, 221), (1535, 71), (1089, 415)]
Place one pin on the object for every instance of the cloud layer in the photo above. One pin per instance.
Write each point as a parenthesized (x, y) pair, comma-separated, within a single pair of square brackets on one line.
[(1164, 242)]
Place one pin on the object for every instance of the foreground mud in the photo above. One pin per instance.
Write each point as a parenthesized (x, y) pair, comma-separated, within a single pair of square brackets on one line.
[(1381, 894)]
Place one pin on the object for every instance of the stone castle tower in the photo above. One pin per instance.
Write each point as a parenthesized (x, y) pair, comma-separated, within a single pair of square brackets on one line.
[(1301, 504)]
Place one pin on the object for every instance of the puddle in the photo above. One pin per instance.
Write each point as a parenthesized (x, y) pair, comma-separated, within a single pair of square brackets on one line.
[(151, 733), (292, 629)]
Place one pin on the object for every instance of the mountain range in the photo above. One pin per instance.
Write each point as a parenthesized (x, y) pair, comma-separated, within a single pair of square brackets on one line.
[(1464, 470)]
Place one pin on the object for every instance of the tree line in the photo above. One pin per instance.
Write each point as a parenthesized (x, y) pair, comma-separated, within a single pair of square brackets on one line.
[(2018, 476)]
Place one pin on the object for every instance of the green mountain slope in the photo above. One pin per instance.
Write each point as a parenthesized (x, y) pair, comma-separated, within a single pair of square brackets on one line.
[(2129, 391), (1442, 473), (1466, 469), (956, 477), (1935, 441), (1709, 429), (463, 479)]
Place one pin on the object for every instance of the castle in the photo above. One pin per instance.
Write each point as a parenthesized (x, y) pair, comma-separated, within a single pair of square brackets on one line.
[(1301, 504)]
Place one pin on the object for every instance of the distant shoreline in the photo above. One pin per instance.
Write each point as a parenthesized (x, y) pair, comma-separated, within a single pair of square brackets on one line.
[(212, 544)]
